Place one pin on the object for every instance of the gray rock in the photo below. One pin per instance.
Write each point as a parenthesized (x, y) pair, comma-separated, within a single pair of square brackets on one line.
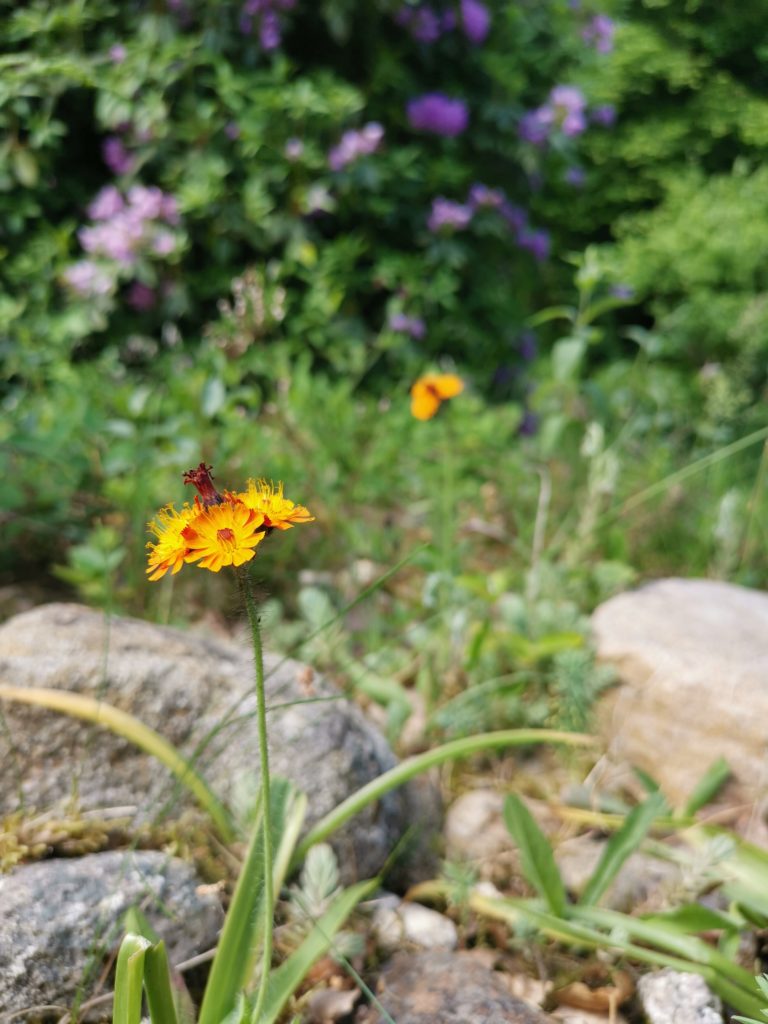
[(475, 832), (397, 923), (669, 997), (59, 919), (692, 659), (198, 693), (448, 988)]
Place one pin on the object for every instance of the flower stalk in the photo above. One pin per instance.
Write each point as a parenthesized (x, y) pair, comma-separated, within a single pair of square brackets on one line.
[(246, 593)]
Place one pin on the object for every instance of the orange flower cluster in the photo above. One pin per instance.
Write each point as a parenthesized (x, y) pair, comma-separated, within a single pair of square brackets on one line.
[(219, 529)]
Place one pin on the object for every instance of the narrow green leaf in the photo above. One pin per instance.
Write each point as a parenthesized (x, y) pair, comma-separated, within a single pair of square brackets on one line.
[(129, 979), (621, 845), (289, 975), (157, 982), (710, 784), (243, 930), (586, 933), (536, 857), (133, 730), (692, 919), (412, 766)]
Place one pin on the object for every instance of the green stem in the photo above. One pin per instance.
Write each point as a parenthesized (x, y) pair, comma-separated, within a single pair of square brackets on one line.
[(411, 766), (261, 720)]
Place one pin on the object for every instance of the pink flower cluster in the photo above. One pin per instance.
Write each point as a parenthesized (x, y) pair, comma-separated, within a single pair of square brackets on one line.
[(355, 144), (599, 32), (124, 229), (564, 111)]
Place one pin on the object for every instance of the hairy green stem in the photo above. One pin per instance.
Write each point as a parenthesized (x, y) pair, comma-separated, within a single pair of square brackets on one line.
[(261, 720)]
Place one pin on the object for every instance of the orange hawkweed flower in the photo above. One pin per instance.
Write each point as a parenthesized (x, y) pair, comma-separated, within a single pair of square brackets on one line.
[(431, 390), (224, 534), (171, 548), (278, 511), (220, 528)]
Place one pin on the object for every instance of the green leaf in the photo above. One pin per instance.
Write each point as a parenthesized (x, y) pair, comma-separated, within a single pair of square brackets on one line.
[(693, 918), (129, 979), (243, 931), (537, 859), (214, 396), (289, 975), (621, 845), (157, 981), (711, 782), (567, 356)]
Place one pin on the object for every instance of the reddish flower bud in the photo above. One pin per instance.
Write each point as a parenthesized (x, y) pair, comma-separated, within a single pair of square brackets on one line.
[(201, 479)]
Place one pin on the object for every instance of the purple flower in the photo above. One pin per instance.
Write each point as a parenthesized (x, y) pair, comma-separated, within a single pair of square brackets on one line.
[(528, 346), (117, 53), (355, 144), (106, 204), (447, 214), (269, 31), (169, 209), (480, 195), (293, 149), (424, 23), (599, 32), (515, 216), (575, 176), (88, 279), (604, 115), (535, 126), (163, 243), (439, 114), (146, 203), (116, 156), (403, 324), (529, 424), (475, 20), (568, 99), (621, 291), (232, 130), (536, 242), (141, 297)]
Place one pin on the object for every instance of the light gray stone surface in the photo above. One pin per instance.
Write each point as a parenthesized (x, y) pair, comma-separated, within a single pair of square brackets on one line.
[(692, 660), (669, 997), (397, 924), (448, 988), (198, 693), (59, 919)]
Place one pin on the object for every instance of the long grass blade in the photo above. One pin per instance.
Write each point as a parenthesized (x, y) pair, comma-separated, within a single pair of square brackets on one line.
[(412, 766), (135, 731)]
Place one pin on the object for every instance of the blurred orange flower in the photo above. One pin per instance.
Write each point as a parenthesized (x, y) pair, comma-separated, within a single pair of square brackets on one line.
[(430, 390)]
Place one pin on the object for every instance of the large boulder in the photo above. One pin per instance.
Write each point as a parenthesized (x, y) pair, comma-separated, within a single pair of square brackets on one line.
[(692, 663), (61, 919), (198, 693)]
